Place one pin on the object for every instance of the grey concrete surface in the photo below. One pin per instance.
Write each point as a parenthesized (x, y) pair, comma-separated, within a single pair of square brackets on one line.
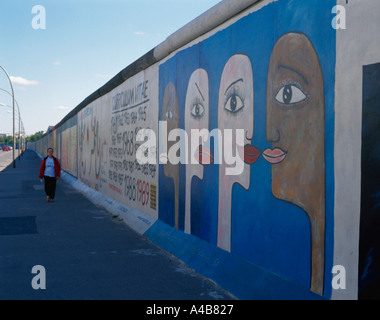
[(209, 20), (87, 253)]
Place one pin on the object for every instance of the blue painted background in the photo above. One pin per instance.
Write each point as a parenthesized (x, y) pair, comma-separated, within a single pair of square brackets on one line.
[(267, 232)]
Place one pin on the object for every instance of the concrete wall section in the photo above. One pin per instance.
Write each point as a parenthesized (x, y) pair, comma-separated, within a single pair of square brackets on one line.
[(67, 146), (357, 46)]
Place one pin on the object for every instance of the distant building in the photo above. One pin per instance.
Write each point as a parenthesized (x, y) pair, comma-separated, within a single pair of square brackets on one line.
[(50, 129)]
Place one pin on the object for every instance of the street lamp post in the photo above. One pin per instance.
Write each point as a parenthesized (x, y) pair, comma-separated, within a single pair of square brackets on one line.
[(14, 115)]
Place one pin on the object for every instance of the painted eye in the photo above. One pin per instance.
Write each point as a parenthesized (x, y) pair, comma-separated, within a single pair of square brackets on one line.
[(169, 114), (234, 103), (290, 94), (198, 110)]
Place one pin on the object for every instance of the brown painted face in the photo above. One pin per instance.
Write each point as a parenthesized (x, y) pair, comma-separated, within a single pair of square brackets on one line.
[(295, 122), (170, 115), (296, 129)]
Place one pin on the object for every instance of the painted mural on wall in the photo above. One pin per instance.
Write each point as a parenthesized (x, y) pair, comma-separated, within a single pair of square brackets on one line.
[(91, 145), (107, 144), (41, 146), (68, 150), (278, 211)]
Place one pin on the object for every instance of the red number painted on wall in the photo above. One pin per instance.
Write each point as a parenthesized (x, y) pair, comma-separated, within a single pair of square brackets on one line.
[(142, 192)]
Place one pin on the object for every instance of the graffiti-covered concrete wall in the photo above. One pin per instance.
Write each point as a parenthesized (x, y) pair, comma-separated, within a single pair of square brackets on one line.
[(107, 144), (243, 127)]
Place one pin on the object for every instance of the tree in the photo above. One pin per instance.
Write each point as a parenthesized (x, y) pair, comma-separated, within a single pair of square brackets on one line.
[(7, 140), (35, 137)]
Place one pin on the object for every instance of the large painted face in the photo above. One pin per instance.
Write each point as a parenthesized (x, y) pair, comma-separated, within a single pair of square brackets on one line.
[(196, 117), (295, 128), (295, 121), (235, 111)]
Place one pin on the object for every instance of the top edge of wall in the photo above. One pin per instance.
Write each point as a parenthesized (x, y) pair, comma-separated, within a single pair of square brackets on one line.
[(207, 21)]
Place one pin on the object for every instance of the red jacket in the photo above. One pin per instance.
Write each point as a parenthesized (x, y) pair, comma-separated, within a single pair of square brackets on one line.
[(57, 168)]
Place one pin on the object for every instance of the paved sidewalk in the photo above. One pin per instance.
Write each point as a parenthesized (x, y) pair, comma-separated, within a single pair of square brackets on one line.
[(87, 253)]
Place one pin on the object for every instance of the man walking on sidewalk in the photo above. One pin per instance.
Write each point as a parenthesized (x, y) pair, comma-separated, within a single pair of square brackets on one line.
[(50, 170)]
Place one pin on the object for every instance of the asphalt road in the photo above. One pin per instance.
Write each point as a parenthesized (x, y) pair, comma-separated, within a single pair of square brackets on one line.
[(87, 254), (6, 158)]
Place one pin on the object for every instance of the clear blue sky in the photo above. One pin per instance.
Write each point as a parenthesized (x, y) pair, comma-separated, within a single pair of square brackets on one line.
[(85, 43)]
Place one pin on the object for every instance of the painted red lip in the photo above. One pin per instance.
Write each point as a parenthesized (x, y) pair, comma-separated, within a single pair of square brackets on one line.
[(274, 156), (204, 155), (251, 153)]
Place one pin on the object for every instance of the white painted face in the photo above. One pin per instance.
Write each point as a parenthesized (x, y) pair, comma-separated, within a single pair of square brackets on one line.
[(235, 111), (196, 117)]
